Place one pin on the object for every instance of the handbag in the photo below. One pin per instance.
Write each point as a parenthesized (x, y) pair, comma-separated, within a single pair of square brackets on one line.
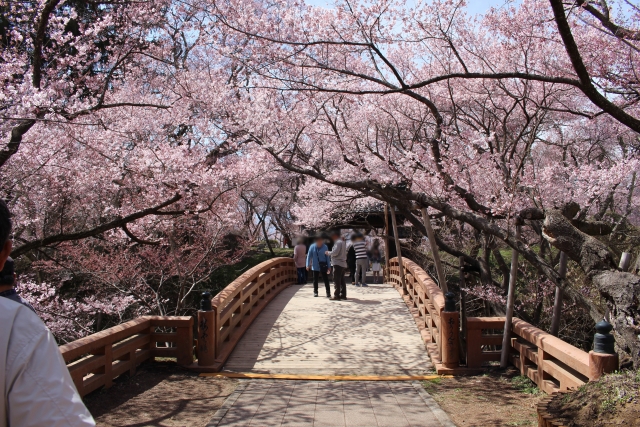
[(323, 265)]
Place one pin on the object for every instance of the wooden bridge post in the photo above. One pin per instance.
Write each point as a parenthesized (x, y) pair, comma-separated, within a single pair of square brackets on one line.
[(450, 333), (206, 332), (403, 280)]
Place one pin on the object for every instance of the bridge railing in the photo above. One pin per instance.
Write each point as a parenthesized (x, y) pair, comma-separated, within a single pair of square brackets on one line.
[(425, 301), (236, 307), (553, 364), (96, 360)]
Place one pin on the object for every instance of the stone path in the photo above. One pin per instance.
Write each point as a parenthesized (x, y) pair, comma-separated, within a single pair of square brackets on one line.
[(372, 333), (330, 404)]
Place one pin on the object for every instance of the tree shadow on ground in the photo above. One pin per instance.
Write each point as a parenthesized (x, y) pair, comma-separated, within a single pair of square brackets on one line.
[(160, 394)]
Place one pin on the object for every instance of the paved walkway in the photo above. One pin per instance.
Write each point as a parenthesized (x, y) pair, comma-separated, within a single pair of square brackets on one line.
[(372, 333), (330, 404)]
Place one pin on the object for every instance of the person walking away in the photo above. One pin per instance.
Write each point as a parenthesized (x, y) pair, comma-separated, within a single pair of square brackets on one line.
[(320, 263), (299, 258), (8, 282), (339, 261), (351, 262), (362, 260), (36, 389), (376, 264)]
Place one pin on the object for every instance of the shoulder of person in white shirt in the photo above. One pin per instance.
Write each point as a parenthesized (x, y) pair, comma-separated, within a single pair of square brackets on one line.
[(35, 384), (37, 388)]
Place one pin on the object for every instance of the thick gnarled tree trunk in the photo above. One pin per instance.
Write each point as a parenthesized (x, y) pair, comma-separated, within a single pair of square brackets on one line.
[(620, 290)]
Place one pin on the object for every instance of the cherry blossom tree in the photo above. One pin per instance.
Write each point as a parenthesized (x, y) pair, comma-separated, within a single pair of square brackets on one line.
[(144, 132), (120, 207), (512, 118)]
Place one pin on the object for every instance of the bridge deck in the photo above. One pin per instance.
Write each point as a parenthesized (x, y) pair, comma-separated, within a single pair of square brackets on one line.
[(372, 333)]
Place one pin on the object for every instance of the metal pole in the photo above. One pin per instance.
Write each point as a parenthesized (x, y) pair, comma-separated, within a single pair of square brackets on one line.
[(557, 303), (625, 261), (397, 239), (506, 338), (434, 249)]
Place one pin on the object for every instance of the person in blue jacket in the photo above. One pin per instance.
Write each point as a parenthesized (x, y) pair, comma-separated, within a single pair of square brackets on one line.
[(319, 263)]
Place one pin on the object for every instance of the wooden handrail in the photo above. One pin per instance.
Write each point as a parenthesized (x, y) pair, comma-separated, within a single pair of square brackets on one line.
[(553, 364), (425, 301), (96, 360), (238, 305)]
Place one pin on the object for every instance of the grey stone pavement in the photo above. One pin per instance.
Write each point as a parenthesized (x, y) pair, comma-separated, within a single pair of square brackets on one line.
[(372, 333), (330, 404)]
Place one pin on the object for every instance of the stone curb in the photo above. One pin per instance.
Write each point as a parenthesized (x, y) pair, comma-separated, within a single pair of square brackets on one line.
[(220, 413), (433, 405)]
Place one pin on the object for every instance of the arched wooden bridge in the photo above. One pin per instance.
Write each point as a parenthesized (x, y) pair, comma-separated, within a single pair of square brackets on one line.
[(292, 347)]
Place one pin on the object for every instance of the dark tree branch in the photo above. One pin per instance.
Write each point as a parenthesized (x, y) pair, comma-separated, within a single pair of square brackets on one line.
[(136, 239), (586, 85), (116, 223)]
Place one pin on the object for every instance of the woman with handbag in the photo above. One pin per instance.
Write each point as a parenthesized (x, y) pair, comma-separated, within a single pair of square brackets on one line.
[(320, 263)]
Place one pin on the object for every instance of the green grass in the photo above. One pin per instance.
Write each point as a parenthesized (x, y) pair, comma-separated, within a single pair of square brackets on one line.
[(430, 385), (524, 384), (618, 388), (227, 274)]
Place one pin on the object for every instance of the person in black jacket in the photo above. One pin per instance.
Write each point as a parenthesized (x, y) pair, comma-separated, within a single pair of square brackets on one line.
[(351, 262)]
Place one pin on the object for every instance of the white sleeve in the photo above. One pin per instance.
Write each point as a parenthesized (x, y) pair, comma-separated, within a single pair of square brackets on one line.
[(40, 391)]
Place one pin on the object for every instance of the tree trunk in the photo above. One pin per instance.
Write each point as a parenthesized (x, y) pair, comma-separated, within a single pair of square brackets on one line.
[(620, 290)]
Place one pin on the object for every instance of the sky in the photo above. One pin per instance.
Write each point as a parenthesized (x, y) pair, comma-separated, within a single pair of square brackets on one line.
[(473, 6)]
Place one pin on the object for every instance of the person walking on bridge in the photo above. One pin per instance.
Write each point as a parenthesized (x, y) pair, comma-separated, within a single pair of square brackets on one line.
[(299, 258), (339, 260), (319, 262), (362, 260), (351, 261)]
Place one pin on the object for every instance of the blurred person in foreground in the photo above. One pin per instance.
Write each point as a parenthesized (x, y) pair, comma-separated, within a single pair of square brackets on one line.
[(36, 387)]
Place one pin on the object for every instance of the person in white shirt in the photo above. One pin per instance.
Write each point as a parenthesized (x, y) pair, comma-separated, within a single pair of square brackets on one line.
[(36, 388)]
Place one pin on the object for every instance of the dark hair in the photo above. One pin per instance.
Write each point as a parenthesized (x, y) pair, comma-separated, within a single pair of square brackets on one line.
[(5, 222), (336, 232), (7, 273)]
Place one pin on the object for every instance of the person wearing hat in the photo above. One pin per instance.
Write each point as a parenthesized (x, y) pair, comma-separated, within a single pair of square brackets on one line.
[(339, 259), (319, 262), (8, 283)]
